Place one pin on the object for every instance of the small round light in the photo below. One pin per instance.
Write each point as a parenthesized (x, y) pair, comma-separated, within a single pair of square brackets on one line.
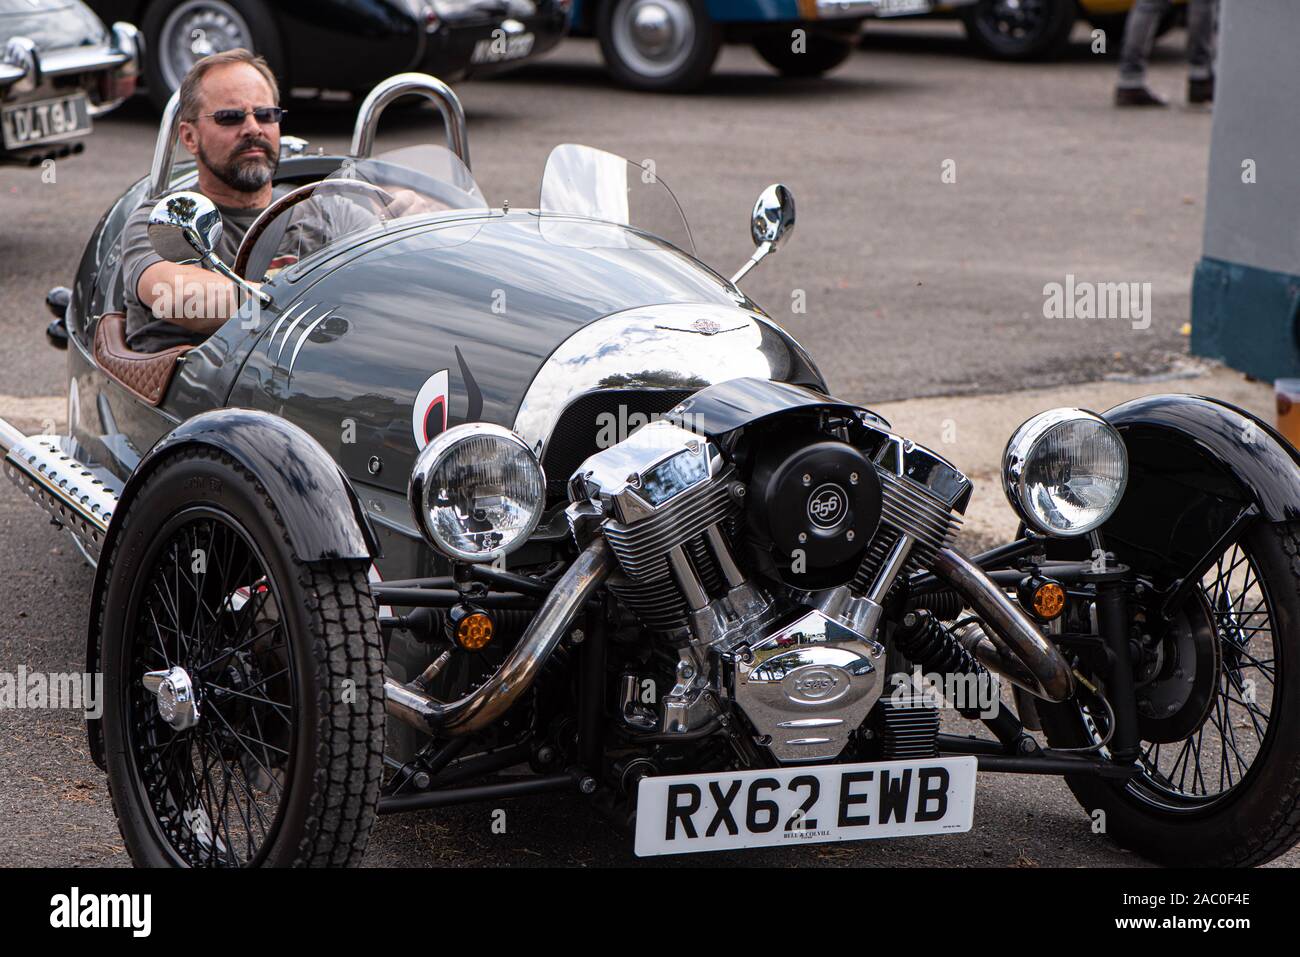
[(1064, 472), (474, 631), (1044, 597), (477, 492)]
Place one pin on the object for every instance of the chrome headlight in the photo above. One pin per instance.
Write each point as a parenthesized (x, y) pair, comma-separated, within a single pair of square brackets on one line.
[(477, 492), (1064, 472)]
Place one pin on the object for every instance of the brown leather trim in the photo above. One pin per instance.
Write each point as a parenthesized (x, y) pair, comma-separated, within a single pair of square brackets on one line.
[(147, 374)]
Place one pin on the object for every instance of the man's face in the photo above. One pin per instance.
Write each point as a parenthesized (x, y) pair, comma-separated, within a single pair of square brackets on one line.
[(244, 156)]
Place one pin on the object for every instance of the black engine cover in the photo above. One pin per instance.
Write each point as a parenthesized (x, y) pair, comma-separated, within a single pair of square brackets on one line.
[(813, 509)]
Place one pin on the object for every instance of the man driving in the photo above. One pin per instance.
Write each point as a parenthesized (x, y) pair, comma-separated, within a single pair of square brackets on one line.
[(230, 122)]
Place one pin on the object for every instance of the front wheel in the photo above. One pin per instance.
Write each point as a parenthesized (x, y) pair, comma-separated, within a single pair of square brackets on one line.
[(1218, 716), (658, 45), (244, 715), (819, 53), (1020, 29)]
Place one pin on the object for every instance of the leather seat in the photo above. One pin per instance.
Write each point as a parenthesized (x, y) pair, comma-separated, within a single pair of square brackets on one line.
[(147, 374)]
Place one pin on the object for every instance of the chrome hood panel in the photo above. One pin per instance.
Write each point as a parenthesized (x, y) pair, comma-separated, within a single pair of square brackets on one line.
[(663, 347)]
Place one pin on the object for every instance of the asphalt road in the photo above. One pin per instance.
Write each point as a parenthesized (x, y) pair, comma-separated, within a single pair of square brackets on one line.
[(913, 286)]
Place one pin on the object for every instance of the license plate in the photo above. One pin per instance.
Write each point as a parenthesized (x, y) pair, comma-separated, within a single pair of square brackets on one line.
[(45, 121), (499, 48), (804, 805), (902, 8)]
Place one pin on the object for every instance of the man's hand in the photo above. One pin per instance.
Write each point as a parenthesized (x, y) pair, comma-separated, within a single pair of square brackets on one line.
[(407, 202)]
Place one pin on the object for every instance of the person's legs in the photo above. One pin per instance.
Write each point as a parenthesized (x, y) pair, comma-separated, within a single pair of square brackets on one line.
[(1200, 50), (1139, 36)]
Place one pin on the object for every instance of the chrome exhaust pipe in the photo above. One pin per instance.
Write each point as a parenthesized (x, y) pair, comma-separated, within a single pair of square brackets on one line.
[(483, 706), (1018, 649), (74, 496)]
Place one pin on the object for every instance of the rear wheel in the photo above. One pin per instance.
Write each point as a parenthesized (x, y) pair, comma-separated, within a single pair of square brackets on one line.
[(244, 717), (1020, 29), (820, 54), (1218, 718), (658, 45), (178, 33)]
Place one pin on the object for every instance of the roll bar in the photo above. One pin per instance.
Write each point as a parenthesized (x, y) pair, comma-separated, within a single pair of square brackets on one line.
[(431, 88), (363, 135)]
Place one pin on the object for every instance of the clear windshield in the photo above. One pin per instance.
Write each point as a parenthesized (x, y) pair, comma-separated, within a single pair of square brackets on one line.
[(580, 181), (362, 195)]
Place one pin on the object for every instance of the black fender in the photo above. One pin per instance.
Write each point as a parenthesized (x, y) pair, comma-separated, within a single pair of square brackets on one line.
[(322, 513), (1195, 465)]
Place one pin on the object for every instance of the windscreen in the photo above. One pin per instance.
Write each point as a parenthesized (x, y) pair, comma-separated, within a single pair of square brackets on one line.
[(581, 183), (367, 194)]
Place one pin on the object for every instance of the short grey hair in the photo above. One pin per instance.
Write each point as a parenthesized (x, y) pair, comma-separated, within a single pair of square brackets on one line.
[(190, 85)]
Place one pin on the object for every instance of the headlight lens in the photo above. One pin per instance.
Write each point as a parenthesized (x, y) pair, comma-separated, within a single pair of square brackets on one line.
[(477, 491), (1064, 472)]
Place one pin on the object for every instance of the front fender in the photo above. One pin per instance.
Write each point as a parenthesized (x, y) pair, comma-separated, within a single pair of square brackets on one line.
[(322, 514), (1194, 464)]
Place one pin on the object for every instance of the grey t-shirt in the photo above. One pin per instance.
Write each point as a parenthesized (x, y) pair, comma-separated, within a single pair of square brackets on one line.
[(312, 224)]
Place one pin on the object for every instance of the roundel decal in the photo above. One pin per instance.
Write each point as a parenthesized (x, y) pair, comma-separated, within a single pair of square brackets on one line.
[(429, 414), (827, 505)]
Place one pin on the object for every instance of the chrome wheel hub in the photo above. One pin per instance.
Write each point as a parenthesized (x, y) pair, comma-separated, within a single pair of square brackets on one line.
[(654, 37), (196, 29), (177, 704)]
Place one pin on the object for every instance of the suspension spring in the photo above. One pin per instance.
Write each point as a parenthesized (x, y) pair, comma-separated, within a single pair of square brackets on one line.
[(926, 642)]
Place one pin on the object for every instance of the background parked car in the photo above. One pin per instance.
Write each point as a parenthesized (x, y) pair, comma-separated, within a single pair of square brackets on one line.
[(60, 68), (1040, 29), (670, 45), (341, 45)]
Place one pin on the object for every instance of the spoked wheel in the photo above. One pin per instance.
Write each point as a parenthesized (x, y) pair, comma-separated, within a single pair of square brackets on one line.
[(179, 33), (1220, 748), (244, 699), (1020, 29)]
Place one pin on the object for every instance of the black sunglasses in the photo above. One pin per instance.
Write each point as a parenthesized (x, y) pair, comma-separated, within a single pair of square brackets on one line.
[(265, 115)]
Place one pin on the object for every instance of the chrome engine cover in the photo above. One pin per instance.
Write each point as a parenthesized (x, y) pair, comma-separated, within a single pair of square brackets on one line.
[(807, 686)]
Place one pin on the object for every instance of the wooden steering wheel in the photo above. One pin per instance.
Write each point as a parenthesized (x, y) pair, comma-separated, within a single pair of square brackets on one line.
[(291, 199)]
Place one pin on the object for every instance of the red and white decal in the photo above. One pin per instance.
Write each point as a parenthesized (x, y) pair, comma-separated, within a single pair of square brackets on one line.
[(429, 414)]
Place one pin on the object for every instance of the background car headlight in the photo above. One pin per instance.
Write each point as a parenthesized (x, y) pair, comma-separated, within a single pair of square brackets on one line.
[(1064, 472), (477, 491)]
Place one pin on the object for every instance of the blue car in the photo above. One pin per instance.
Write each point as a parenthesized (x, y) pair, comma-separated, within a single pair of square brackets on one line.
[(670, 45)]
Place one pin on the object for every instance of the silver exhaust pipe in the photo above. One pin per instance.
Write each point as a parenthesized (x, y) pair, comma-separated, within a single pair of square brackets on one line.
[(481, 707), (74, 496), (1019, 651)]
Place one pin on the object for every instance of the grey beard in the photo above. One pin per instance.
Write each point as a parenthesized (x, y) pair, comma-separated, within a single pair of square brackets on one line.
[(247, 177)]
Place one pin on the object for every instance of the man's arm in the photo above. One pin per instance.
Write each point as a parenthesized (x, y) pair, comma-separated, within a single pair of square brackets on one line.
[(192, 297)]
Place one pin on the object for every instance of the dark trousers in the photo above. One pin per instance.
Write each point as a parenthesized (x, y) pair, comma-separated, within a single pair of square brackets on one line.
[(1140, 35)]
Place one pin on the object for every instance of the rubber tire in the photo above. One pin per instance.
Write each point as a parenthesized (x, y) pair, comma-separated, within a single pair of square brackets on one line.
[(692, 73), (1047, 46), (823, 54), (266, 43), (1263, 820), (334, 787)]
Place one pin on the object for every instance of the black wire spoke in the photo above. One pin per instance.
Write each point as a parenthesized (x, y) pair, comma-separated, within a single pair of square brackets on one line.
[(216, 789)]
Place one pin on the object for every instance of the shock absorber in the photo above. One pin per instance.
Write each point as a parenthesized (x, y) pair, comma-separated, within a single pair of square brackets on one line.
[(925, 641)]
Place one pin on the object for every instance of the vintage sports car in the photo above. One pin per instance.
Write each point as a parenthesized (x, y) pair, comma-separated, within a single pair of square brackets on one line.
[(479, 490), (325, 47), (60, 67)]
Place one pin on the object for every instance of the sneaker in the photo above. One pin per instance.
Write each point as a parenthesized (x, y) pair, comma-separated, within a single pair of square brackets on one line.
[(1136, 96), (1200, 91)]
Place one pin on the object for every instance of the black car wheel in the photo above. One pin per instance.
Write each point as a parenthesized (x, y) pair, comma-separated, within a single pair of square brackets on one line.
[(1020, 29), (820, 54), (1220, 749), (179, 33), (244, 715), (658, 45)]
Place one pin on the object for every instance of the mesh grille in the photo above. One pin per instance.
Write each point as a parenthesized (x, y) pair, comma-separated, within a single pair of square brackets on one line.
[(574, 438)]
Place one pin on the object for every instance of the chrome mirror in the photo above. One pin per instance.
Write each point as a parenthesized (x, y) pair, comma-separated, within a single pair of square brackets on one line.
[(185, 228), (770, 226)]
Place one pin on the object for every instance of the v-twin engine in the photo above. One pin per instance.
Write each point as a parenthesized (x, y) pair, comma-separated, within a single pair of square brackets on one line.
[(828, 527)]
